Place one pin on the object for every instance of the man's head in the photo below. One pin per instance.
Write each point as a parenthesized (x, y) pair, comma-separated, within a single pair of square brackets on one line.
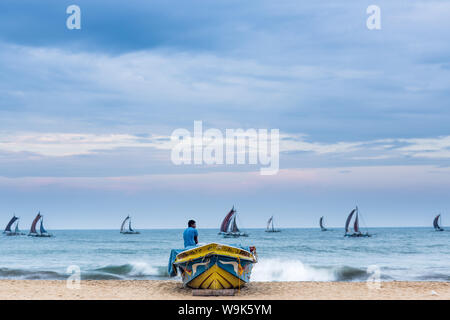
[(191, 223)]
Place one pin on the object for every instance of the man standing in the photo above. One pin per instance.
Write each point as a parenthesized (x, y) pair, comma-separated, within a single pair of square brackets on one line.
[(190, 235)]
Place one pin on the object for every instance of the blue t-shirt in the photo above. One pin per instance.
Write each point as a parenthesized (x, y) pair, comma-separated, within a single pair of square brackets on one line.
[(188, 236)]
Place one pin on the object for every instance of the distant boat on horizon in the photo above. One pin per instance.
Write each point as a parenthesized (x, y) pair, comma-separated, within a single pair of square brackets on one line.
[(16, 231), (124, 230), (229, 228), (436, 223), (42, 232), (270, 227), (322, 228), (356, 230)]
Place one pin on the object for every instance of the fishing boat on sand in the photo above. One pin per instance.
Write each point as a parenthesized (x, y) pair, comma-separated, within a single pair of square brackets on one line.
[(436, 225), (270, 227), (9, 227), (42, 232), (229, 228), (213, 266), (356, 230), (321, 224), (123, 228)]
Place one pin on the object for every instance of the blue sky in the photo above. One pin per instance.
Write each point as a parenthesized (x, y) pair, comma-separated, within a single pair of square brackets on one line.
[(85, 115)]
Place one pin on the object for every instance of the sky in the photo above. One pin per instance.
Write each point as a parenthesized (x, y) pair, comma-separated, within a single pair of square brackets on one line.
[(86, 115)]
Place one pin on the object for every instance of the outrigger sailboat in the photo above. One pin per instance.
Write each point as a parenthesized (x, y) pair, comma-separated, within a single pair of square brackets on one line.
[(229, 228), (436, 223), (42, 232), (356, 230), (270, 227), (130, 230), (213, 266), (321, 224), (16, 231)]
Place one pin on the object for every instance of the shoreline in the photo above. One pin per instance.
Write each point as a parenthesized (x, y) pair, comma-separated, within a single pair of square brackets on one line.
[(173, 290)]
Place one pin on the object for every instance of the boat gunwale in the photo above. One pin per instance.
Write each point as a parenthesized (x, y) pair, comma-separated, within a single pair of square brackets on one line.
[(196, 253)]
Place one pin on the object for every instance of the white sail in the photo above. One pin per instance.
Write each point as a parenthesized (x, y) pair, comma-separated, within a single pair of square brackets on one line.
[(122, 227)]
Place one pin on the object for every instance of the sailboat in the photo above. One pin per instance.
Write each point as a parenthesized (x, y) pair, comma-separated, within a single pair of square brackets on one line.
[(229, 227), (321, 224), (42, 232), (436, 223), (356, 230), (124, 230), (16, 231), (270, 227)]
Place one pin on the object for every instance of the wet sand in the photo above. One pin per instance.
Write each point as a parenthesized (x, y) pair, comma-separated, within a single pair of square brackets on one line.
[(173, 290)]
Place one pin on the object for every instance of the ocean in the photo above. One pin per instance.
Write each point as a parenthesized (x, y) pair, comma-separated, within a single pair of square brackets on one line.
[(414, 254)]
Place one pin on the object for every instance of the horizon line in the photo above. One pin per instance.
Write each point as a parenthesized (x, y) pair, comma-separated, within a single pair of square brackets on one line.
[(254, 228)]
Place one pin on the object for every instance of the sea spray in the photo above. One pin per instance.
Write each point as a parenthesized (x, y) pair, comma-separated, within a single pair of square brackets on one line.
[(295, 270), (288, 270)]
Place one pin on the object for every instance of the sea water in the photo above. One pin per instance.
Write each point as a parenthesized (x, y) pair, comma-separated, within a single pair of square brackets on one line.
[(413, 254)]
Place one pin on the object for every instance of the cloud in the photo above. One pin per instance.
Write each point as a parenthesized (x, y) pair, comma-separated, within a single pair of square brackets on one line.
[(73, 144)]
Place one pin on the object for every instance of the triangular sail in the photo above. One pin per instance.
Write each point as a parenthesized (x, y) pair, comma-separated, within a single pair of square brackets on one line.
[(356, 224), (270, 221), (234, 227), (123, 224), (436, 222), (226, 221), (129, 225), (321, 223), (16, 230), (41, 228), (347, 223), (35, 221), (10, 223)]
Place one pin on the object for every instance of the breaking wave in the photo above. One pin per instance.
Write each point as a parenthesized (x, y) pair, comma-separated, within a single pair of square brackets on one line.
[(135, 270), (288, 270), (265, 270), (30, 274)]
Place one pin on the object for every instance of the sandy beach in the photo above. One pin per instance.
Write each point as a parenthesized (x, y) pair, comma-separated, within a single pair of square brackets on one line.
[(173, 290)]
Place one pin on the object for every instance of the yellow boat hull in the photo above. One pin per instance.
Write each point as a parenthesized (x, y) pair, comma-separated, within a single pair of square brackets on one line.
[(215, 278), (215, 266)]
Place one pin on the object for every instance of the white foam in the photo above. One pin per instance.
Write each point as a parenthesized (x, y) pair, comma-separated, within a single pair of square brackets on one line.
[(140, 268), (289, 270)]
